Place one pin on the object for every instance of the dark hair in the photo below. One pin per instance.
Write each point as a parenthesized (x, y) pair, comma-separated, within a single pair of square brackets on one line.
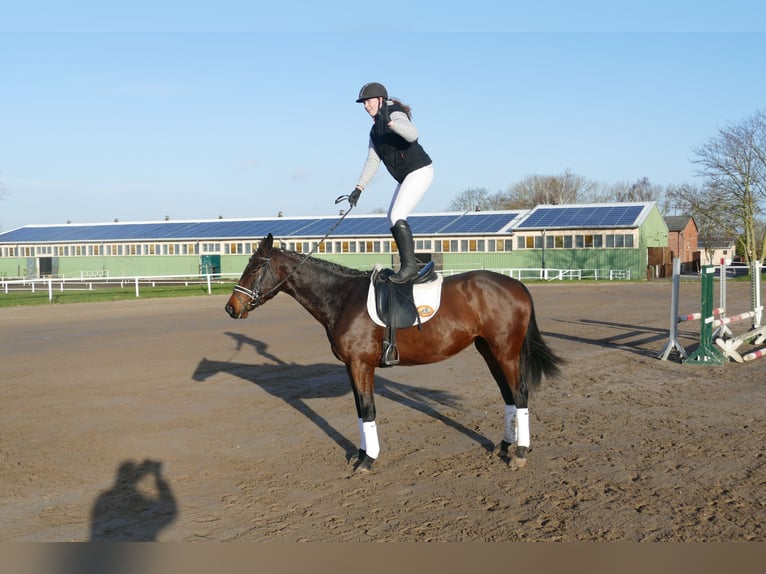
[(405, 108)]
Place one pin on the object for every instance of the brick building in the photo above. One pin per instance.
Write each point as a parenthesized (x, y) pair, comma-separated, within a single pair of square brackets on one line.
[(683, 241)]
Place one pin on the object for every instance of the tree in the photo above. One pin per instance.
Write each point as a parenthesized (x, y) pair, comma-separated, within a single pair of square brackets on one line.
[(641, 190), (733, 165), (547, 190), (714, 222), (473, 199)]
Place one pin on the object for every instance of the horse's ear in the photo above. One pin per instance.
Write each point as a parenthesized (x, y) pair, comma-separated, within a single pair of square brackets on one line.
[(267, 244)]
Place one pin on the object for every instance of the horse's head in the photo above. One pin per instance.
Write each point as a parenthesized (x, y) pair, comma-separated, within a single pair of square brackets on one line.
[(257, 284)]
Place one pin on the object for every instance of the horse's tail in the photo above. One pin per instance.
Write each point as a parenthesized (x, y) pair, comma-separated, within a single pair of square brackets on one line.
[(537, 358)]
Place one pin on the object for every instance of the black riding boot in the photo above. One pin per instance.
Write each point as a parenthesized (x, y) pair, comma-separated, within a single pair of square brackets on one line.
[(408, 268)]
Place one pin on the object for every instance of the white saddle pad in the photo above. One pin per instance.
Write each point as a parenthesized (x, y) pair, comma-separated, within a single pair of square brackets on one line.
[(427, 298)]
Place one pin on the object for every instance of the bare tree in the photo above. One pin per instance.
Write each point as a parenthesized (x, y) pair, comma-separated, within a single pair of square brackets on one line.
[(734, 167), (547, 190), (473, 199), (715, 221), (641, 190)]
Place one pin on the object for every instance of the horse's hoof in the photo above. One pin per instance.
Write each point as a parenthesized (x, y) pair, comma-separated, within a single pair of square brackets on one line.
[(501, 449), (519, 458), (364, 464), (517, 463), (356, 457)]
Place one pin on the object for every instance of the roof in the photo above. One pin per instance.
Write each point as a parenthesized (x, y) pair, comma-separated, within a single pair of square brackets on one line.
[(678, 222), (590, 216), (573, 216), (485, 223)]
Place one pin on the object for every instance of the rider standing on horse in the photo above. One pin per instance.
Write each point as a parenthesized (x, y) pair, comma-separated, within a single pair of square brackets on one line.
[(394, 141)]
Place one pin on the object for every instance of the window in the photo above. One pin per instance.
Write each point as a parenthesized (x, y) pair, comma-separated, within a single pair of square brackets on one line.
[(598, 241)]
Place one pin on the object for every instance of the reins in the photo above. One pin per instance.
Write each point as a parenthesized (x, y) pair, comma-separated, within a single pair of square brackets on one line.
[(254, 294)]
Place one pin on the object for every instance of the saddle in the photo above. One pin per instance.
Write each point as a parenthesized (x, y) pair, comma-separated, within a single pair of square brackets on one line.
[(396, 308)]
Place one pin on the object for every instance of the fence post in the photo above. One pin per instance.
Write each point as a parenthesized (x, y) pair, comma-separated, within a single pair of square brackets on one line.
[(50, 290), (673, 342), (706, 353), (137, 295), (209, 290), (755, 292)]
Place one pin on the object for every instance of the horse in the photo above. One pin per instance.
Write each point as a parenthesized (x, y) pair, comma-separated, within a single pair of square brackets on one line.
[(493, 311)]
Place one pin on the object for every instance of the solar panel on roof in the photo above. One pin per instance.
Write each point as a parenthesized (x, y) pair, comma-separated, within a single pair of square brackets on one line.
[(582, 216), (352, 226), (480, 224)]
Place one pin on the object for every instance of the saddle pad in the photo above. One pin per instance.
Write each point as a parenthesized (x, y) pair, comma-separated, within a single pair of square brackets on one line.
[(427, 298)]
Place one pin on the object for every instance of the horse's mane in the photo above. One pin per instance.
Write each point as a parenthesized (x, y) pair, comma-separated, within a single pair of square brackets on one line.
[(333, 268)]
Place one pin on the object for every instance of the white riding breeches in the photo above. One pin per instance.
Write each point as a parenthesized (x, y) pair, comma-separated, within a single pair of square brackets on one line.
[(409, 193)]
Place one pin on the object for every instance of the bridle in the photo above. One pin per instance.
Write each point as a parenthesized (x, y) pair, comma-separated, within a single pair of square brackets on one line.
[(254, 295)]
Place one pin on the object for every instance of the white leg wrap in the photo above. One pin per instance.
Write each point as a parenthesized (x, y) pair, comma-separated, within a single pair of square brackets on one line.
[(509, 433), (362, 441), (522, 427), (370, 439)]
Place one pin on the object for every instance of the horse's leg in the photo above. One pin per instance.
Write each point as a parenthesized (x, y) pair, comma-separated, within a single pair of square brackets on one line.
[(516, 414), (362, 383)]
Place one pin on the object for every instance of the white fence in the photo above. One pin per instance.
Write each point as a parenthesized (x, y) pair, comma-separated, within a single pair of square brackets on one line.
[(61, 284), (544, 274), (83, 283)]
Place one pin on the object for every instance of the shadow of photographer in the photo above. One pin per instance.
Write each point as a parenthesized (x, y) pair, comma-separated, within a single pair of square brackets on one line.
[(136, 507)]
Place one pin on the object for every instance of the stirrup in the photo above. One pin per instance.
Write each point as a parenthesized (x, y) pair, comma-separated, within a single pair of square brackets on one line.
[(390, 355)]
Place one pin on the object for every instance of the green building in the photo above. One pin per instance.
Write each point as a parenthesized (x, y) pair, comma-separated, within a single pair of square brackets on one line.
[(549, 241)]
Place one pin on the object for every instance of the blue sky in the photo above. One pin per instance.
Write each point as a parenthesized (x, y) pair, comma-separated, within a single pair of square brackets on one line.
[(141, 110)]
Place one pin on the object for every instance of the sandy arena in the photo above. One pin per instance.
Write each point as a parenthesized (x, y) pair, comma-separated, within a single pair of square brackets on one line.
[(248, 426)]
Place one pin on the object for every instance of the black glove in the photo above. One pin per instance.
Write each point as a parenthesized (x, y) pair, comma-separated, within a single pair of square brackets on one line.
[(354, 196), (383, 112)]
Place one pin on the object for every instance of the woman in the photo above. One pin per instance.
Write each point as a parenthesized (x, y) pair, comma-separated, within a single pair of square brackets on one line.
[(394, 141)]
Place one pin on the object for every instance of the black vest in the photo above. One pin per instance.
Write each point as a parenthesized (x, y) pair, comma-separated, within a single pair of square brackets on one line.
[(398, 155)]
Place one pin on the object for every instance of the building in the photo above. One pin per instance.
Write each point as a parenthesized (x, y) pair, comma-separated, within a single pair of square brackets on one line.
[(600, 237), (683, 241), (718, 249)]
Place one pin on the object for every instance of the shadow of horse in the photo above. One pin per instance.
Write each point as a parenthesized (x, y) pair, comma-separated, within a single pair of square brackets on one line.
[(295, 384)]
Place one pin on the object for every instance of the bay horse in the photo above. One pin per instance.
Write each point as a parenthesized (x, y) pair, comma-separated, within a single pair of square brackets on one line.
[(490, 310)]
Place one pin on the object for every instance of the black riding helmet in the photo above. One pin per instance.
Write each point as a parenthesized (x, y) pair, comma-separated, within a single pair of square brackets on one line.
[(372, 90)]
